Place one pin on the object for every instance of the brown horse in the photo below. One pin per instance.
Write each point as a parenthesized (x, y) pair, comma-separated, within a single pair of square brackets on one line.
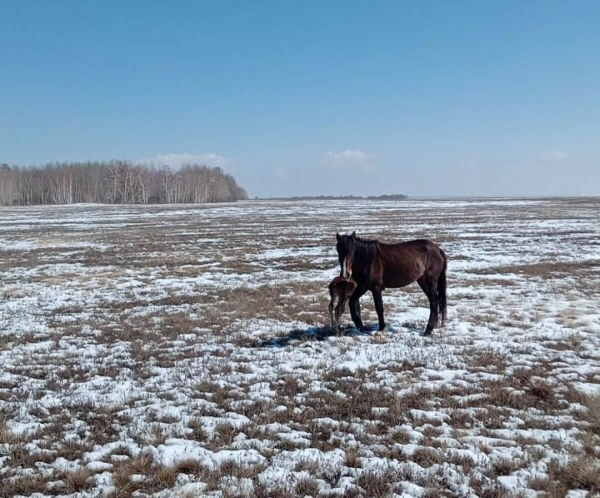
[(376, 266), (340, 290)]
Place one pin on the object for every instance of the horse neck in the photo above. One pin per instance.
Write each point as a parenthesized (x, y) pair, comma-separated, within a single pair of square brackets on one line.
[(365, 254)]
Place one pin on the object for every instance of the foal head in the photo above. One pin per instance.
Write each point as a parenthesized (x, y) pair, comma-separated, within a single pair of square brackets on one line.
[(345, 248)]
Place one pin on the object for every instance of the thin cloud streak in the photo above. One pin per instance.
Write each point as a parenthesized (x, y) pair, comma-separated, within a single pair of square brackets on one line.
[(349, 158), (554, 155), (178, 160)]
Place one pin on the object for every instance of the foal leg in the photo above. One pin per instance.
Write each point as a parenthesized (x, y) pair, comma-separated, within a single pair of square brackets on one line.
[(332, 296), (379, 308), (332, 321), (355, 308), (340, 307), (430, 289)]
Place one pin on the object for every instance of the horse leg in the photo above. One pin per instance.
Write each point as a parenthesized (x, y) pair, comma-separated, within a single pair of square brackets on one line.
[(441, 288), (355, 308), (429, 287), (379, 308)]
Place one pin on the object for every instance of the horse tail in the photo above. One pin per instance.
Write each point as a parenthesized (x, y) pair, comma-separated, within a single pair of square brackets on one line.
[(441, 289)]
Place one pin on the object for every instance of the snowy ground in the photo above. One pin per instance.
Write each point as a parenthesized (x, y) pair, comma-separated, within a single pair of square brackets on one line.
[(181, 351)]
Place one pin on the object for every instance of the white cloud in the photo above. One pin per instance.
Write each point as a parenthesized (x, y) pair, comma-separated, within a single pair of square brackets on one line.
[(554, 155), (349, 158), (179, 160)]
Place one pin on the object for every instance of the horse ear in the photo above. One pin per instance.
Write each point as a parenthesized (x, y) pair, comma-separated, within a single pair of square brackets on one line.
[(338, 236), (353, 236)]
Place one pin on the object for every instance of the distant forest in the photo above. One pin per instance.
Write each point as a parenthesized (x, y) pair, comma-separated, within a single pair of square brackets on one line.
[(387, 197), (115, 182)]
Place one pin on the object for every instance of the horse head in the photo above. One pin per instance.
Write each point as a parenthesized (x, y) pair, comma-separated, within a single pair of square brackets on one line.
[(345, 248)]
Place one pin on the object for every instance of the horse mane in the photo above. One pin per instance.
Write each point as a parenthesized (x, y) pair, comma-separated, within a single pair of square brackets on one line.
[(365, 252), (366, 241)]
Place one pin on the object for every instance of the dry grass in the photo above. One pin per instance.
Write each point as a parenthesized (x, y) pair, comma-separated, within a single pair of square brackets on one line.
[(156, 478), (262, 490), (503, 467), (187, 346), (7, 436), (487, 360), (426, 457), (276, 302), (306, 487), (352, 457), (543, 270), (376, 485), (198, 432), (583, 473), (77, 480), (23, 485), (591, 414)]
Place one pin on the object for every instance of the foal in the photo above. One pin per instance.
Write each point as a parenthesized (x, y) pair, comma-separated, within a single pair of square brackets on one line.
[(340, 289)]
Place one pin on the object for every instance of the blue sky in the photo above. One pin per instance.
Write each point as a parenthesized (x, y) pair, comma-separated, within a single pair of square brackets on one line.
[(312, 97)]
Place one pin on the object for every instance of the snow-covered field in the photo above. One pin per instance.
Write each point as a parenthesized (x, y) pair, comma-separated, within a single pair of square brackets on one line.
[(182, 351)]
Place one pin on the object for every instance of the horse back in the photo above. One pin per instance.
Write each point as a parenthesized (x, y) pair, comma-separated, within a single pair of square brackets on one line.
[(403, 263)]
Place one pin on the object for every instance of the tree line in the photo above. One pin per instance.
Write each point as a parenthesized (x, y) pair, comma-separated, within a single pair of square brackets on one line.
[(115, 182)]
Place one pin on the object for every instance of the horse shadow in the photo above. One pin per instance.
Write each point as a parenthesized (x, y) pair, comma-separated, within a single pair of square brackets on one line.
[(315, 334)]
